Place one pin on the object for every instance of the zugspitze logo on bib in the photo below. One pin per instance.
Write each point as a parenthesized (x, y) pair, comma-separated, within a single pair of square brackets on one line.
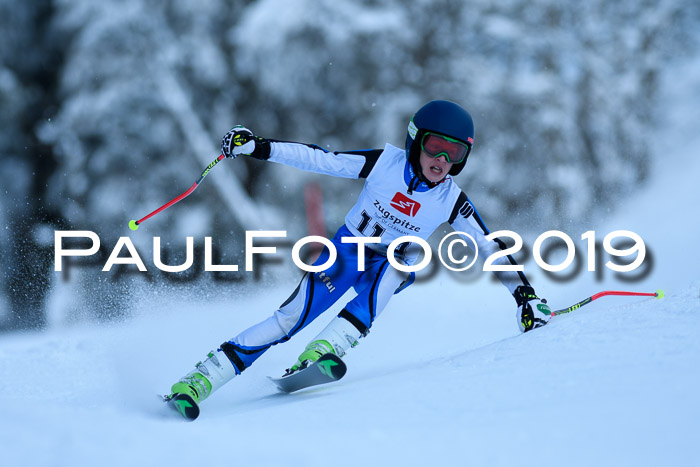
[(405, 205)]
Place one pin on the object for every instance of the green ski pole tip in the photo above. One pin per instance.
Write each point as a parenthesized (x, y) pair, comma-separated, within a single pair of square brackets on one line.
[(659, 293), (133, 225)]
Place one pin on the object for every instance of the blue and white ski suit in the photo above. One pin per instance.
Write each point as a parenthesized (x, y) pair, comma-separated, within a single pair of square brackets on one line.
[(393, 203)]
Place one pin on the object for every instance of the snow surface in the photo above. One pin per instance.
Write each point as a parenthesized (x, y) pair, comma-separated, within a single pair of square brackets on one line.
[(444, 378)]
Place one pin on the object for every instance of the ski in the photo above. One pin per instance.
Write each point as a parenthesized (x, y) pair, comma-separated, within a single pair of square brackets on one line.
[(328, 368), (183, 404)]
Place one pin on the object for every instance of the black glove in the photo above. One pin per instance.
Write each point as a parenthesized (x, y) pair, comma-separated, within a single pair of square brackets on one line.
[(532, 312)]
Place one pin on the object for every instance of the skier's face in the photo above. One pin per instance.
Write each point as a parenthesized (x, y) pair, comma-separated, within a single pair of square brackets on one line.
[(434, 168)]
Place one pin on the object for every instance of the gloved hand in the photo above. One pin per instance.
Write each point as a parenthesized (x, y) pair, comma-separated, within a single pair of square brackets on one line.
[(239, 140), (532, 312)]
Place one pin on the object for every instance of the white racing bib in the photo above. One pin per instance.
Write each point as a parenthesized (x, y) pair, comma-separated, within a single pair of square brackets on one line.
[(385, 209)]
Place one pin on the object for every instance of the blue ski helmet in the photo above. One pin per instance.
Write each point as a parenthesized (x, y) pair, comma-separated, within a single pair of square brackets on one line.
[(445, 118)]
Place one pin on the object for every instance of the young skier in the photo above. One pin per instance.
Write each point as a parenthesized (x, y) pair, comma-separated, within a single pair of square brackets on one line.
[(407, 192)]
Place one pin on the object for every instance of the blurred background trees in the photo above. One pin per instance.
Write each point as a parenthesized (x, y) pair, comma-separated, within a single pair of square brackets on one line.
[(110, 109)]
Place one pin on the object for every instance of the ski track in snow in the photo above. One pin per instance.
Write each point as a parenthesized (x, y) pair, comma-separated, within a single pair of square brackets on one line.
[(612, 383)]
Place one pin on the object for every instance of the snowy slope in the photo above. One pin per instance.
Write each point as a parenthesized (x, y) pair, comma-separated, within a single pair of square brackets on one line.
[(614, 383), (611, 387)]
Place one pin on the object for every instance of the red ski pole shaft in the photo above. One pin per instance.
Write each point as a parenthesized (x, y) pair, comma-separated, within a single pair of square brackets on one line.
[(134, 224), (586, 301)]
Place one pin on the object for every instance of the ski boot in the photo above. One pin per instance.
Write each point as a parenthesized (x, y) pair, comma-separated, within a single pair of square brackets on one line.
[(197, 385), (335, 338), (313, 351)]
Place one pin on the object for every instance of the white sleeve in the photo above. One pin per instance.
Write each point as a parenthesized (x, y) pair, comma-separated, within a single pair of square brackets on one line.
[(466, 219), (315, 159)]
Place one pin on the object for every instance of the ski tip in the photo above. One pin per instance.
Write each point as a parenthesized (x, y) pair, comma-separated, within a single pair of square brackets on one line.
[(332, 366), (184, 405), (659, 293), (133, 225)]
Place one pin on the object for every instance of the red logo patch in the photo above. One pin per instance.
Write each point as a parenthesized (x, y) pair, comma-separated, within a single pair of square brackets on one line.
[(405, 205)]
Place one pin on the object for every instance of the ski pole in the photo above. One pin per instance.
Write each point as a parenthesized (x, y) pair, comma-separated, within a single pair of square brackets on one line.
[(586, 301), (134, 224)]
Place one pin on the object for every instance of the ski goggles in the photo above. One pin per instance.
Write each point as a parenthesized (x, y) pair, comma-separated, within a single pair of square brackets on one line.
[(436, 145)]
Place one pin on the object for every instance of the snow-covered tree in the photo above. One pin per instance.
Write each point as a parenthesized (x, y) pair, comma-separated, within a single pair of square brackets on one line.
[(29, 52), (110, 109), (561, 93)]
